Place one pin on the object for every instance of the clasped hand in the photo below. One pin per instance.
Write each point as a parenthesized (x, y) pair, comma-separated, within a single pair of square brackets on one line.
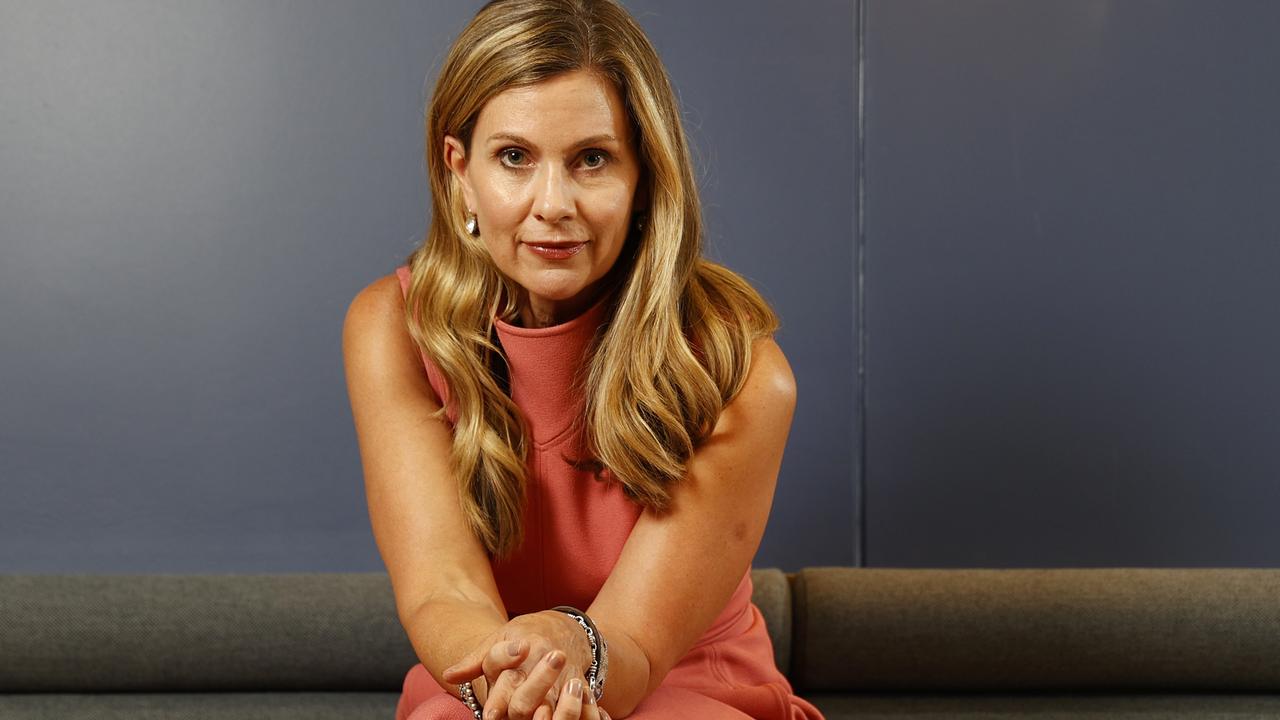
[(534, 669)]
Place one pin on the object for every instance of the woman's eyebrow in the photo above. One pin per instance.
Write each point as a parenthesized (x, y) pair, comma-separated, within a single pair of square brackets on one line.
[(593, 140)]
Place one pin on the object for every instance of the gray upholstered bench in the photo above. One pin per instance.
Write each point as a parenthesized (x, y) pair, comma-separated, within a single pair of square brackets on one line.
[(864, 643)]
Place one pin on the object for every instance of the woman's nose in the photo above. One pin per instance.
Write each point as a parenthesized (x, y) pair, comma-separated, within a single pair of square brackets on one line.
[(554, 201)]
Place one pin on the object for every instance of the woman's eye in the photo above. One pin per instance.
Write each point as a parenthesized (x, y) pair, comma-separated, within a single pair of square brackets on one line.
[(593, 159), (512, 157)]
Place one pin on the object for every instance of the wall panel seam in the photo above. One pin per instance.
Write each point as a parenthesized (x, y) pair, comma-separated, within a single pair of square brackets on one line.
[(859, 254)]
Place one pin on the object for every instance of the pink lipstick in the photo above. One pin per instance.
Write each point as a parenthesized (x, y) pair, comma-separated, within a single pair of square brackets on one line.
[(556, 251)]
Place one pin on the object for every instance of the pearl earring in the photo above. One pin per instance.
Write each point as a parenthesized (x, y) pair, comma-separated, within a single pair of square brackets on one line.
[(473, 227)]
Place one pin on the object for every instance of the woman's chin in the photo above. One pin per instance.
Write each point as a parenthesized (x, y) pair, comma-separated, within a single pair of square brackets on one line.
[(556, 290), (558, 296)]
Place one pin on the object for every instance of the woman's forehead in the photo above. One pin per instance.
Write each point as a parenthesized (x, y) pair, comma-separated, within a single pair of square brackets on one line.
[(562, 110)]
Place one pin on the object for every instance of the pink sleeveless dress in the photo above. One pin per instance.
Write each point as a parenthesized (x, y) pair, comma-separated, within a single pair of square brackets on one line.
[(575, 527)]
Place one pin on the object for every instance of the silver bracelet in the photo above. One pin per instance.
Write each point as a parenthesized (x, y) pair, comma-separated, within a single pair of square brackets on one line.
[(469, 698), (599, 670)]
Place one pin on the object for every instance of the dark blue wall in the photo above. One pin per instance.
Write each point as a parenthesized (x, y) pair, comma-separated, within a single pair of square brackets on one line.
[(1027, 272), (191, 193), (1072, 268)]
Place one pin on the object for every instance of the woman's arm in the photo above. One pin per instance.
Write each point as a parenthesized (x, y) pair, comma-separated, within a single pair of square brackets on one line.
[(678, 570), (446, 596)]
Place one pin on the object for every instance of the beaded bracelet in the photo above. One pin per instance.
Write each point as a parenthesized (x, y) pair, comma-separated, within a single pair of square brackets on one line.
[(599, 650), (469, 698)]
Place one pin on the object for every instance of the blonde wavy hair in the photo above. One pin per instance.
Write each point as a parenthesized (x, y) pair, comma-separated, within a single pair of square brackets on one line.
[(677, 344)]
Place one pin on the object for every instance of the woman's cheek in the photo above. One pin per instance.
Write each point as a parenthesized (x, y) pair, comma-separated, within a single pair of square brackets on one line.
[(610, 205), (511, 191)]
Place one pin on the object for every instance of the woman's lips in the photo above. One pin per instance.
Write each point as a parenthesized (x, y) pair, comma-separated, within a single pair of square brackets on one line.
[(555, 251)]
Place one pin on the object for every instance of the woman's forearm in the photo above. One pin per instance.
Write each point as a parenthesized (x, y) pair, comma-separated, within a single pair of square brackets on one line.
[(445, 630), (629, 672)]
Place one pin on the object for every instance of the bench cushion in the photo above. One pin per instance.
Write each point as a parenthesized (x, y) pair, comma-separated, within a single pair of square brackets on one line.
[(872, 629)]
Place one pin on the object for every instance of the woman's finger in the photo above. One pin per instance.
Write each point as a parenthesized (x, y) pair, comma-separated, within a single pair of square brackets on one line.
[(506, 684), (489, 661), (500, 691), (570, 705), (504, 656), (534, 690), (472, 666)]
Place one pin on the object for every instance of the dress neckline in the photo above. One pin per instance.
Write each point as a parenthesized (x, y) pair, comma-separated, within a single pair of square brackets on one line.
[(547, 369), (592, 317)]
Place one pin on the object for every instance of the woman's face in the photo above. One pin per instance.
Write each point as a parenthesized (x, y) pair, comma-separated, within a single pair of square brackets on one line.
[(551, 177)]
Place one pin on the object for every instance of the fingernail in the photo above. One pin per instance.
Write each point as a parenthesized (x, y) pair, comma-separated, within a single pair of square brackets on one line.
[(513, 648), (556, 661), (575, 687)]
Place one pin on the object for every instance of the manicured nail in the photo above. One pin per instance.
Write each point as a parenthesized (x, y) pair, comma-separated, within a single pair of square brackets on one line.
[(513, 648), (575, 687), (556, 660)]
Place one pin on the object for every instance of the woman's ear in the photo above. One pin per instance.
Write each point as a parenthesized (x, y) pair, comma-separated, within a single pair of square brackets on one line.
[(455, 158)]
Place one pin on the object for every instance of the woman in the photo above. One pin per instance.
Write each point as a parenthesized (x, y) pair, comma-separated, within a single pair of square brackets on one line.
[(571, 424)]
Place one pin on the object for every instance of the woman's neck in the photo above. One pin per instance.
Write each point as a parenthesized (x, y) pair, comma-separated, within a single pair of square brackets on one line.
[(538, 312)]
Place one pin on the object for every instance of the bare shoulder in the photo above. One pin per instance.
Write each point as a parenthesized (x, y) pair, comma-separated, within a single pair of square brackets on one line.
[(770, 385), (375, 340), (769, 368), (380, 302)]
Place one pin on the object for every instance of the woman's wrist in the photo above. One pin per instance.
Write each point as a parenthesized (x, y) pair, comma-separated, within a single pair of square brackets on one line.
[(630, 672), (578, 649), (446, 632), (468, 697), (596, 669)]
